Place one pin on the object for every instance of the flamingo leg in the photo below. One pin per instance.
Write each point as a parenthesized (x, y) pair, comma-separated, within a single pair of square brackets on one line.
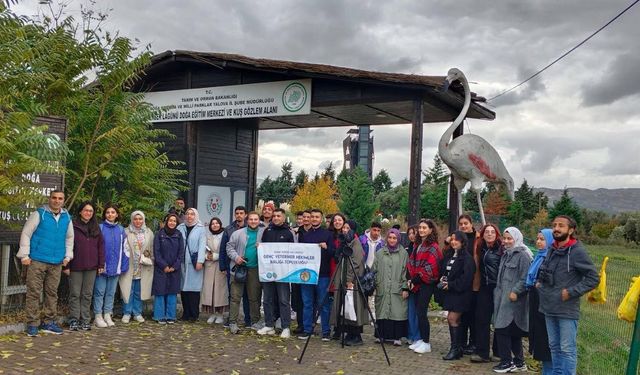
[(460, 212), (484, 222)]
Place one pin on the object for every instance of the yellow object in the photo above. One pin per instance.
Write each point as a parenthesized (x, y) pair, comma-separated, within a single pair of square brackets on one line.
[(629, 305), (599, 294)]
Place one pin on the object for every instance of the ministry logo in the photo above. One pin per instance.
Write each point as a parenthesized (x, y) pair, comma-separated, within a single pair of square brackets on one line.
[(294, 97), (214, 204)]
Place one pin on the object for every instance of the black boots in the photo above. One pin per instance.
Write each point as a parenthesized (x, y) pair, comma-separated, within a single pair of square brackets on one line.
[(456, 345)]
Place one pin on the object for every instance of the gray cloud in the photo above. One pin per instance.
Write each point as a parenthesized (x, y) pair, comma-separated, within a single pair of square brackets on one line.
[(620, 80)]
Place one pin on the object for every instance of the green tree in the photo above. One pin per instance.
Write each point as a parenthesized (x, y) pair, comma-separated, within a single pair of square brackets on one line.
[(390, 201), (566, 206), (437, 174), (433, 202), (356, 198), (381, 183), (300, 179), (280, 190), (329, 172), (516, 213)]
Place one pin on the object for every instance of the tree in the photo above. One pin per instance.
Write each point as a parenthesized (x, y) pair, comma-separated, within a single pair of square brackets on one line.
[(300, 179), (516, 213), (329, 172), (436, 175), (527, 201), (281, 189), (539, 221), (381, 183), (566, 206), (433, 202), (315, 194), (356, 197), (631, 227), (495, 204)]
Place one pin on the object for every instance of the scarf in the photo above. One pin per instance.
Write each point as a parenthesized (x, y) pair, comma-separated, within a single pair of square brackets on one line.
[(219, 222), (166, 228), (519, 241), (132, 228), (532, 274), (197, 219), (393, 249)]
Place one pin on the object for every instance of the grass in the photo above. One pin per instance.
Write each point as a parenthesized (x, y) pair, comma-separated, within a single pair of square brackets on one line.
[(603, 339)]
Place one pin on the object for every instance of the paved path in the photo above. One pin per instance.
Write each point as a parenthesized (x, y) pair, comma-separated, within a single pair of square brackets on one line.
[(198, 348)]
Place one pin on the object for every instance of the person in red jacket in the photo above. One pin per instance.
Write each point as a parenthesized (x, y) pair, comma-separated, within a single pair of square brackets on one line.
[(88, 261), (423, 274)]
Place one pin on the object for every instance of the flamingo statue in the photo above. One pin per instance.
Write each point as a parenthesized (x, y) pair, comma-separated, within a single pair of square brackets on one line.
[(471, 158)]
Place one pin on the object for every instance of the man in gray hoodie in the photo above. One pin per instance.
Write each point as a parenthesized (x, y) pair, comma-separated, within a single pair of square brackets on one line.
[(565, 275)]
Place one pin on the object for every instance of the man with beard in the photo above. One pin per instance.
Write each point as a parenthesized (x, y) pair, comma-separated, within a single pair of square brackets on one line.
[(178, 209), (565, 275), (276, 294)]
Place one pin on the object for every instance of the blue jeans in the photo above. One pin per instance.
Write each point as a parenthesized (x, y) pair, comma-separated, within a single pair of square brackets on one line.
[(164, 307), (310, 304), (104, 289), (134, 306), (547, 368), (413, 333), (562, 342)]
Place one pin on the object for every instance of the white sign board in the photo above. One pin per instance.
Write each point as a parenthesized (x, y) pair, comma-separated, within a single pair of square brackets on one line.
[(288, 262), (214, 201), (281, 98)]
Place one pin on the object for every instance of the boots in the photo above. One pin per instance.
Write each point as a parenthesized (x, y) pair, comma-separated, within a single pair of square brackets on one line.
[(456, 346)]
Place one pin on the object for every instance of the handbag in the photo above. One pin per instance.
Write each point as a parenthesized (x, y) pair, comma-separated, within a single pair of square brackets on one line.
[(368, 281), (349, 311), (240, 273)]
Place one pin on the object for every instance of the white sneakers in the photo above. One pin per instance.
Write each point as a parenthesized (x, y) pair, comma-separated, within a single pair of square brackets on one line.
[(219, 319), (266, 331), (99, 321), (424, 347), (215, 318), (285, 333), (126, 318), (108, 320), (139, 318), (416, 344), (211, 319)]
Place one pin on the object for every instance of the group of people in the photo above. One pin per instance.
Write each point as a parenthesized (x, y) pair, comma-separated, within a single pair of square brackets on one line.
[(478, 277)]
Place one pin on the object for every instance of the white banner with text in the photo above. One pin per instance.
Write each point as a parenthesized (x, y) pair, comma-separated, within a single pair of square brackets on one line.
[(288, 262)]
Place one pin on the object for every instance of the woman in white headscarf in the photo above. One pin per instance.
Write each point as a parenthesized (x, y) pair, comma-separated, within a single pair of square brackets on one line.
[(510, 301), (135, 284), (195, 245)]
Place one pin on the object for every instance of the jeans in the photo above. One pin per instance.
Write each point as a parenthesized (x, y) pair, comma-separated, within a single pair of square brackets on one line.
[(547, 368), (104, 289), (134, 306), (562, 342), (164, 307), (311, 304), (280, 304), (412, 317)]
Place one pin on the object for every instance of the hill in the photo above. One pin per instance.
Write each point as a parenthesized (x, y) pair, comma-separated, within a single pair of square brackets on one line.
[(612, 201)]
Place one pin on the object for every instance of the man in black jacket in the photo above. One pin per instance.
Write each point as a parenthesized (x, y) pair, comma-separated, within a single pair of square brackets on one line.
[(564, 276), (277, 231)]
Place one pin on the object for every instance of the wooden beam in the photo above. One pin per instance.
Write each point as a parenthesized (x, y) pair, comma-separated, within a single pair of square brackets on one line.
[(333, 117), (415, 165), (388, 113)]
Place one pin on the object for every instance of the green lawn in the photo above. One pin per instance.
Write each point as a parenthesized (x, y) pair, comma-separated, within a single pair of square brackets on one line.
[(603, 339)]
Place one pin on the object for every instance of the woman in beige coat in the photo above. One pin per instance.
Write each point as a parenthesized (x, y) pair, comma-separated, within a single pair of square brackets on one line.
[(214, 295), (135, 284)]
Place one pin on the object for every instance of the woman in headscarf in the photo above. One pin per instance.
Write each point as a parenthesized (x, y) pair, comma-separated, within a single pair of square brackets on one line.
[(487, 255), (168, 253), (135, 284), (195, 244), (511, 307), (344, 276), (392, 291), (458, 268), (88, 261), (214, 297), (538, 337), (116, 262), (423, 272)]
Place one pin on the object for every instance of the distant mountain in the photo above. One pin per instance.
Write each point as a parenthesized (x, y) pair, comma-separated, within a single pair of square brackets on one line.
[(612, 201)]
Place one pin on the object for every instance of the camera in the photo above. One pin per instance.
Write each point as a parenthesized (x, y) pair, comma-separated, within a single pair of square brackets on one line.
[(545, 276), (343, 247), (442, 283)]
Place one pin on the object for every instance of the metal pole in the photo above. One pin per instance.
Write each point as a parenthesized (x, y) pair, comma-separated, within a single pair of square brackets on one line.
[(415, 166), (634, 352)]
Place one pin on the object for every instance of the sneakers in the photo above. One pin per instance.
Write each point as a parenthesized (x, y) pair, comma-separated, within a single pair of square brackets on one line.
[(49, 328), (326, 337), (139, 318), (219, 319), (99, 321), (416, 344), (74, 325), (211, 319), (108, 320), (266, 331), (257, 326), (162, 322), (171, 321), (285, 333), (32, 331), (520, 367), (478, 359), (86, 326), (504, 367), (233, 328), (425, 347), (278, 324), (304, 336), (399, 343), (126, 318)]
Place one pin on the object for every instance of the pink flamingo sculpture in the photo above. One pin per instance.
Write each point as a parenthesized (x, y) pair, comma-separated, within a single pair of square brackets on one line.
[(471, 158)]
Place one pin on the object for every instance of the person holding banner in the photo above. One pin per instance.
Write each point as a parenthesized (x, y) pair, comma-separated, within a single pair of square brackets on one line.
[(278, 231), (242, 251), (296, 293), (313, 295)]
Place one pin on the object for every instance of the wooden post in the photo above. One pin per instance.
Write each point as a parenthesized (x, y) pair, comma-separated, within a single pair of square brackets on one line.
[(415, 165), (453, 194)]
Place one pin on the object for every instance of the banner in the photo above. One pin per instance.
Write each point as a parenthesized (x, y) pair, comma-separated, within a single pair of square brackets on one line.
[(288, 262), (280, 98)]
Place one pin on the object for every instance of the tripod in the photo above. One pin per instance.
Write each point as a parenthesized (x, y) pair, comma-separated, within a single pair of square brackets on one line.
[(341, 307)]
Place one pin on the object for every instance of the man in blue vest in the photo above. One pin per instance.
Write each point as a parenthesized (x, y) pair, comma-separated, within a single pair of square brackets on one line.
[(46, 245)]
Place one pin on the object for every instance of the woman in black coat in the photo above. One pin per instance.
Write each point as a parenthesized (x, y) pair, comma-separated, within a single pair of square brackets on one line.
[(168, 251), (458, 268)]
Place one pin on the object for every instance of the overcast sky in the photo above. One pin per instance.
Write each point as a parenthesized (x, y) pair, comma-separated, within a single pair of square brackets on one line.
[(577, 125)]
